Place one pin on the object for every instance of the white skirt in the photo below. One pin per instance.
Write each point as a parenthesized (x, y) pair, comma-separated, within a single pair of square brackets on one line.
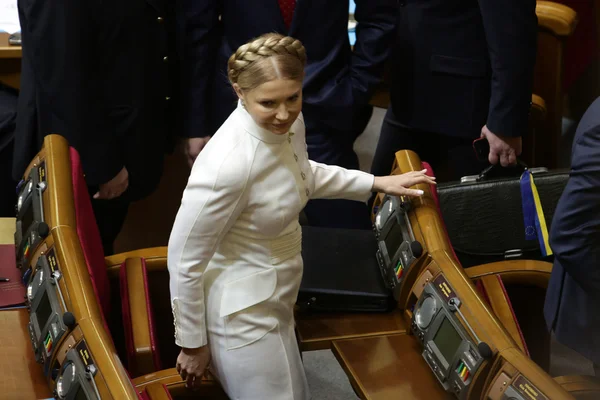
[(254, 352)]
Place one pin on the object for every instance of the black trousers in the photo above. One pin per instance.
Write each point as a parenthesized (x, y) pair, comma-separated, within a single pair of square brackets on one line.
[(335, 147), (8, 187), (450, 157), (110, 217)]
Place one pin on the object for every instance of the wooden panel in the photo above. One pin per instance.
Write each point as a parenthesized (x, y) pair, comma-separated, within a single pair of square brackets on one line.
[(6, 50), (316, 331), (498, 301), (388, 367), (75, 274), (7, 230), (112, 380), (59, 202), (516, 369), (58, 198), (10, 63), (556, 18), (22, 377), (581, 387), (556, 22)]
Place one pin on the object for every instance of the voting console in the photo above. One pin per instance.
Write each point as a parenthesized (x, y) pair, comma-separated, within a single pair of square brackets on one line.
[(50, 317), (397, 248), (31, 225), (448, 348)]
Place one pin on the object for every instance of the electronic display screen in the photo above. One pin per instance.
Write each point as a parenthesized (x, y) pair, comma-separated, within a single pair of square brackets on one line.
[(80, 394), (447, 340), (43, 311), (394, 239), (27, 218)]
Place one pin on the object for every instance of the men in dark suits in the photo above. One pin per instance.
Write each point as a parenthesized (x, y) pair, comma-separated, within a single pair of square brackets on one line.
[(572, 308), (460, 70), (96, 72), (338, 84)]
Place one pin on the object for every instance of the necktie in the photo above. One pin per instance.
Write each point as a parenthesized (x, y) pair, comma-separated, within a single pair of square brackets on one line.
[(287, 11)]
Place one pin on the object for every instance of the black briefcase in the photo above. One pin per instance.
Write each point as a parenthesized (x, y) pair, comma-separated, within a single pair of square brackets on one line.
[(484, 214), (341, 272)]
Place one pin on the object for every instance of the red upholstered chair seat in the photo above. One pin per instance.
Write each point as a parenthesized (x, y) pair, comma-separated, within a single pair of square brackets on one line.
[(131, 274), (89, 236), (500, 298)]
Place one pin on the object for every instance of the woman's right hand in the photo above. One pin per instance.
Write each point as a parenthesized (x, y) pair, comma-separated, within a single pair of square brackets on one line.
[(192, 364), (398, 185)]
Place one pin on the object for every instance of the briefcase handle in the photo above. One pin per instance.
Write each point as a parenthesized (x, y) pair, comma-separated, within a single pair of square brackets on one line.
[(494, 170)]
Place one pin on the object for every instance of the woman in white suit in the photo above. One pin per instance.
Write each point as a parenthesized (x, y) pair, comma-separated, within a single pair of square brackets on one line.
[(234, 252)]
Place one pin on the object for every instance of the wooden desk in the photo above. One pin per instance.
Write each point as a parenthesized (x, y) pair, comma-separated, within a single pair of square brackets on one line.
[(10, 63), (20, 376), (388, 367), (7, 230), (317, 331)]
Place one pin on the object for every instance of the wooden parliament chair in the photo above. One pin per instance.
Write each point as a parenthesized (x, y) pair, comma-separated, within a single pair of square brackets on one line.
[(556, 22), (61, 221), (393, 365), (318, 331), (496, 280), (81, 350)]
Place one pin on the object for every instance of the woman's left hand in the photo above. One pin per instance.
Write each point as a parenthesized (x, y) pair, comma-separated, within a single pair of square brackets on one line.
[(398, 185)]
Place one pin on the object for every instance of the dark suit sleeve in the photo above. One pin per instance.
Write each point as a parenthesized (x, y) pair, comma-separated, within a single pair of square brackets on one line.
[(511, 33), (575, 232), (197, 36), (376, 23)]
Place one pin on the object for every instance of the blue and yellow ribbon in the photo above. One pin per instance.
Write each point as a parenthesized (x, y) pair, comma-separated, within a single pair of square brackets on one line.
[(533, 214)]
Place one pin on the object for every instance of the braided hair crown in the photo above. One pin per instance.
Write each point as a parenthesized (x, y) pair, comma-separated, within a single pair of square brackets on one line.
[(250, 56)]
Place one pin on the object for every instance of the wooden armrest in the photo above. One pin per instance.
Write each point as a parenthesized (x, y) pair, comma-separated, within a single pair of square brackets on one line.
[(138, 324), (529, 272), (157, 391), (557, 18), (167, 376), (316, 331), (209, 387), (156, 258), (580, 386)]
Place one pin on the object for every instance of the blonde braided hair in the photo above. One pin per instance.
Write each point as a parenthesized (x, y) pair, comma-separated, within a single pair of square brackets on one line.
[(265, 58)]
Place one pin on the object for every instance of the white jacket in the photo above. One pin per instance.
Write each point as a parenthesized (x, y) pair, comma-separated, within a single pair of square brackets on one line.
[(239, 213)]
